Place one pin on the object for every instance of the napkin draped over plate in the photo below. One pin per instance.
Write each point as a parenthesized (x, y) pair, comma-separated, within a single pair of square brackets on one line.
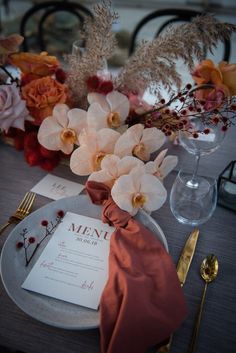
[(142, 302)]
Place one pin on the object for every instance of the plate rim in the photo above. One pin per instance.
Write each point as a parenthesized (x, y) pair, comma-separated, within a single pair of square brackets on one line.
[(52, 323)]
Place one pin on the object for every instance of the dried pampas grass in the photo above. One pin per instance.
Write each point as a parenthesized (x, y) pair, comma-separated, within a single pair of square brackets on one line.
[(153, 63), (100, 45)]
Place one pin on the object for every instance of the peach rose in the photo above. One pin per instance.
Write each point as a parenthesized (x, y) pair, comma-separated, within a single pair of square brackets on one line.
[(9, 45), (39, 64), (228, 72), (42, 95), (207, 72)]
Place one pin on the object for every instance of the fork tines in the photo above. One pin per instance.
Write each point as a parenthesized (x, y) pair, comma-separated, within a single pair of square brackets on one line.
[(26, 204)]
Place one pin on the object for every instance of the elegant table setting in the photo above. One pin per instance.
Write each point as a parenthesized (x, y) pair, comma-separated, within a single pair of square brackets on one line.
[(136, 252), (21, 332)]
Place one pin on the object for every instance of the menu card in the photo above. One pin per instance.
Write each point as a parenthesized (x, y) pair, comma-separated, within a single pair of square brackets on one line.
[(74, 264)]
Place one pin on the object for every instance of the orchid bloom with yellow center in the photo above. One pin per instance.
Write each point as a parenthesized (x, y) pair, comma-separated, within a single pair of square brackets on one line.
[(139, 142), (60, 131), (138, 190), (112, 167), (94, 146), (162, 165), (107, 111)]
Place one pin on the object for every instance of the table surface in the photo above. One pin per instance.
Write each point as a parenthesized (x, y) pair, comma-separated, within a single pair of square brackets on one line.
[(217, 332)]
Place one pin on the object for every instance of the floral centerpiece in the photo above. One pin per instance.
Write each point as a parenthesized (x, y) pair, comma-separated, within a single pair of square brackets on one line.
[(100, 121)]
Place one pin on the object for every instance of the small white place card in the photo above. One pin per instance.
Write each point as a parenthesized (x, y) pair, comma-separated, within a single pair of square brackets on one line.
[(74, 264), (56, 188)]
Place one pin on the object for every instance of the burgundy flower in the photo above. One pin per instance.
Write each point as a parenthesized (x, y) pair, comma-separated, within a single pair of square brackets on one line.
[(93, 83), (19, 244), (105, 87), (31, 240), (60, 214), (35, 154), (44, 223)]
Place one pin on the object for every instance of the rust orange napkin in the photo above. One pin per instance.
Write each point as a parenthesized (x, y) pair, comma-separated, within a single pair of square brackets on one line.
[(142, 302)]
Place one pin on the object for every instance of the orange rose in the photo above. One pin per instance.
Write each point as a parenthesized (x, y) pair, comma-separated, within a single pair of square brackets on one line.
[(42, 95), (228, 72), (207, 72), (38, 64)]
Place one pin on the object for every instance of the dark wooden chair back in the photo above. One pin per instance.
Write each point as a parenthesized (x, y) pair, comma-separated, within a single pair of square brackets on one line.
[(44, 10)]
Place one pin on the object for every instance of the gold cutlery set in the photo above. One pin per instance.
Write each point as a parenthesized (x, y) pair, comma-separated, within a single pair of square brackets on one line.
[(208, 269)]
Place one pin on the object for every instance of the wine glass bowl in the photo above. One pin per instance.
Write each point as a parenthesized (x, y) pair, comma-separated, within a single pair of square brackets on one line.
[(193, 205), (209, 137)]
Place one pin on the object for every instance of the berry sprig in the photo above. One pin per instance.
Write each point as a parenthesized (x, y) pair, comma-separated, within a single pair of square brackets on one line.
[(28, 241), (171, 118)]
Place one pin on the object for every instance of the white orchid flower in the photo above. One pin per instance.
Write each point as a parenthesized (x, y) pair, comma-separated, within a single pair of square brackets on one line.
[(162, 165), (107, 111), (60, 131), (112, 167), (138, 190), (139, 142), (94, 146)]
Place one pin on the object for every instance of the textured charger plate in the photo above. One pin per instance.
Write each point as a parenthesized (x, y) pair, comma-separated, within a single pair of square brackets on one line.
[(13, 271)]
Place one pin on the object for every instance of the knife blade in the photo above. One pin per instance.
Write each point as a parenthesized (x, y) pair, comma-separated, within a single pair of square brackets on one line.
[(182, 268), (187, 256)]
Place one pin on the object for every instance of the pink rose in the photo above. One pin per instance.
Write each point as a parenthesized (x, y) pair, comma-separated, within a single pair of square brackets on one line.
[(13, 111), (216, 97)]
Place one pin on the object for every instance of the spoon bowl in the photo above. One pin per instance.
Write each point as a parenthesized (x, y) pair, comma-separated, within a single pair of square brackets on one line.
[(209, 268)]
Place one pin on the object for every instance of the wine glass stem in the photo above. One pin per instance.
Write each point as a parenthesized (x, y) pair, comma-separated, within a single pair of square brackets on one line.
[(193, 181)]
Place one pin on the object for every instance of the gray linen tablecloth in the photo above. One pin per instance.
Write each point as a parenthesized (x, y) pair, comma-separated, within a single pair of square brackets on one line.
[(218, 329)]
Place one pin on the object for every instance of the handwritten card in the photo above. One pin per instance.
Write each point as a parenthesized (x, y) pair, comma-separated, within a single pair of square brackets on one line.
[(56, 188), (74, 264)]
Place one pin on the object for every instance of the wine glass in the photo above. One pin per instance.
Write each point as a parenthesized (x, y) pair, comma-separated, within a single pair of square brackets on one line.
[(193, 198)]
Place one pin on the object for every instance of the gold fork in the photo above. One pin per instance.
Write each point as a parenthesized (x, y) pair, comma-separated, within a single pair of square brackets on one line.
[(22, 211)]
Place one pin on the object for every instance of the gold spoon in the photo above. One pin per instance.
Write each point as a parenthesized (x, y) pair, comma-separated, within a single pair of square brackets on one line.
[(208, 271)]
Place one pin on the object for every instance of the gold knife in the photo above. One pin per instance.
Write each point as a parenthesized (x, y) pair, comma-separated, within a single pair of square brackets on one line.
[(187, 256), (182, 271)]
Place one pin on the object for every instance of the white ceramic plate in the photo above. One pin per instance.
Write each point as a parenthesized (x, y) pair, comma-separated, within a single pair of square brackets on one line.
[(13, 271)]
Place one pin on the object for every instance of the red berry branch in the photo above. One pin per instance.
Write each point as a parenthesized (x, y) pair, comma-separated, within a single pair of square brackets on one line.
[(176, 114), (28, 241)]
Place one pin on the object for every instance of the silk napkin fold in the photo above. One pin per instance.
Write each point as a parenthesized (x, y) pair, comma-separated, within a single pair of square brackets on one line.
[(142, 302)]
